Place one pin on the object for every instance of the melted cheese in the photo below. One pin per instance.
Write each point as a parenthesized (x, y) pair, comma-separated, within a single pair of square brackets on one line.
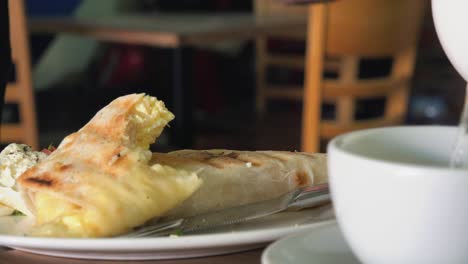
[(5, 210), (153, 193), (148, 120), (60, 218)]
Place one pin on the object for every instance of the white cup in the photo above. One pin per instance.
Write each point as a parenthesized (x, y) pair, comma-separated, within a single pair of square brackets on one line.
[(395, 197)]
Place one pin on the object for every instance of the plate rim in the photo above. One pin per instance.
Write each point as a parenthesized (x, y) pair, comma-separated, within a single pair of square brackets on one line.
[(199, 241)]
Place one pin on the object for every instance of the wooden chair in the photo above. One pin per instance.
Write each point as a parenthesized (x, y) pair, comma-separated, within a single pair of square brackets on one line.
[(264, 59), (20, 91), (352, 30), (265, 90)]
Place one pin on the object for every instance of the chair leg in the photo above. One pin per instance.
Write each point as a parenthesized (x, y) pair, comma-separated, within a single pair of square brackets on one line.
[(25, 93), (312, 101), (345, 106), (403, 66), (261, 100)]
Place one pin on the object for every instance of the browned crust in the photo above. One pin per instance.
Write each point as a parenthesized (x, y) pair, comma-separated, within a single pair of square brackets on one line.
[(114, 127), (301, 179), (106, 126), (64, 167), (222, 159), (44, 180)]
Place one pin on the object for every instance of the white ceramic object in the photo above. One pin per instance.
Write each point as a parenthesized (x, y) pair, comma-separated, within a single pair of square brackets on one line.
[(451, 23), (395, 198), (322, 245), (254, 234)]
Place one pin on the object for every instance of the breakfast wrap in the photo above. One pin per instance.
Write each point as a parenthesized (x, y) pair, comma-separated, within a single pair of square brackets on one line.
[(99, 182), (232, 178), (104, 181)]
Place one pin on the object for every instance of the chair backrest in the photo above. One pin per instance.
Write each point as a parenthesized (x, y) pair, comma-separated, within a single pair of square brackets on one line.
[(355, 30), (280, 10), (20, 91), (267, 57), (368, 28), (275, 7)]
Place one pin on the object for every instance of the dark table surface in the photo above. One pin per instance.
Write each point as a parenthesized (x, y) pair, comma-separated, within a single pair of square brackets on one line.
[(19, 257)]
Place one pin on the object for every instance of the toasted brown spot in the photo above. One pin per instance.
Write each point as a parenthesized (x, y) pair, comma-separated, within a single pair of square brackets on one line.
[(120, 159), (43, 180), (233, 155), (301, 178), (204, 156), (254, 162), (244, 159), (119, 119), (221, 162), (64, 167)]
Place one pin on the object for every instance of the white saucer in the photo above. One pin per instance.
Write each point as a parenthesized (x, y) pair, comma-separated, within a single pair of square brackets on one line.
[(324, 245)]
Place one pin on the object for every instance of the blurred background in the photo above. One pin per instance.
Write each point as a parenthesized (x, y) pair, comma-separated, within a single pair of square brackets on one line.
[(74, 72)]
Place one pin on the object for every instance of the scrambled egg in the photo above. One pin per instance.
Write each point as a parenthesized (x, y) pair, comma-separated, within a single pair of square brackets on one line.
[(14, 160)]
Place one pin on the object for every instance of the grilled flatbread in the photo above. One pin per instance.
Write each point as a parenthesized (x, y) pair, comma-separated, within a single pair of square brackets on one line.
[(99, 182), (232, 178)]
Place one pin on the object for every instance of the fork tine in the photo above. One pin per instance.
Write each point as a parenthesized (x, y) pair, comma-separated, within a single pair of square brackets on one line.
[(156, 229)]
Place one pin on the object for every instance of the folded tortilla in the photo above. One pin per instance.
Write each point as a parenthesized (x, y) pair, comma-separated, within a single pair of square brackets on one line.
[(98, 182), (233, 178)]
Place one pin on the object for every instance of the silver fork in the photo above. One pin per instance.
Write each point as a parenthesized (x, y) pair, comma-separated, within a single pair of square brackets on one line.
[(297, 199)]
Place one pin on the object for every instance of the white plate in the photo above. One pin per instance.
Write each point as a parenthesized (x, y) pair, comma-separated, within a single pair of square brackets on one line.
[(323, 245), (240, 237)]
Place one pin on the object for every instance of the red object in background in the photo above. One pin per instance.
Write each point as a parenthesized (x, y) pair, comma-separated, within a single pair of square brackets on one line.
[(125, 64), (121, 64), (49, 150)]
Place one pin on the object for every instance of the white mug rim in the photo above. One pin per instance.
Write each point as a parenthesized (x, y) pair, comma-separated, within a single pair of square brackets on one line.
[(334, 146)]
